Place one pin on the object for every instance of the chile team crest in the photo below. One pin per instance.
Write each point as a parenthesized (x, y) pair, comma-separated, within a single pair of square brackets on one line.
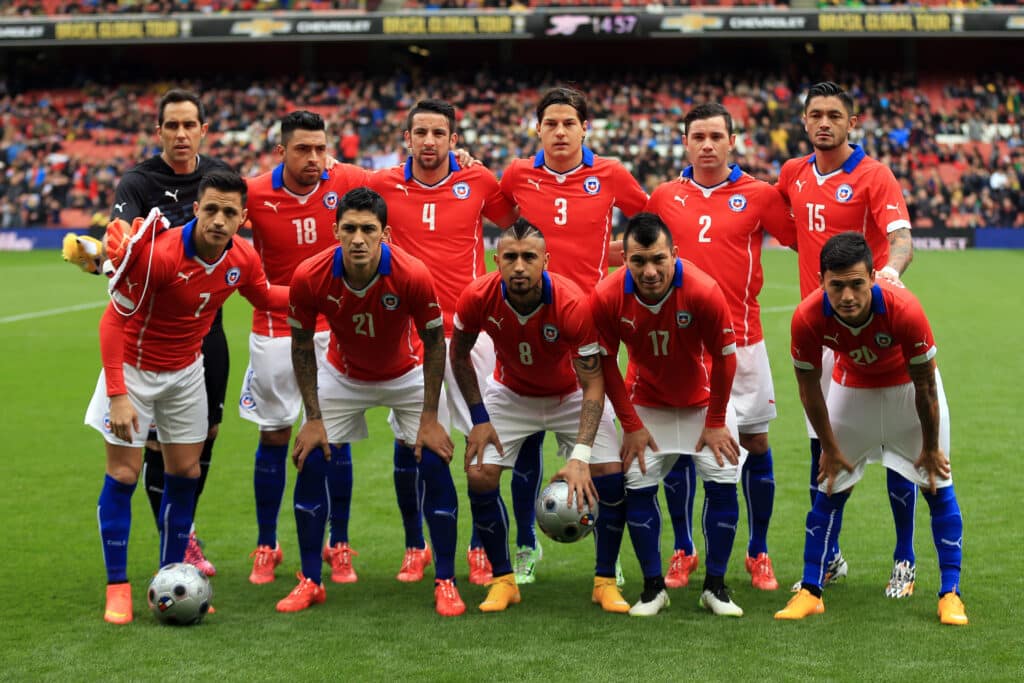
[(550, 333), (591, 184), (390, 301), (461, 190), (737, 202), (683, 318), (844, 193), (331, 200), (883, 340), (233, 276), (247, 401)]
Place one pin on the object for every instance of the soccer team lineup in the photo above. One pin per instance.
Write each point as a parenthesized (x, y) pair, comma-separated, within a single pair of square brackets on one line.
[(371, 289)]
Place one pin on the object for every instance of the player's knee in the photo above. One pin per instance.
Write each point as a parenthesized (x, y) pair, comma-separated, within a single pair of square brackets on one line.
[(125, 473), (603, 468), (755, 443), (481, 480), (276, 437)]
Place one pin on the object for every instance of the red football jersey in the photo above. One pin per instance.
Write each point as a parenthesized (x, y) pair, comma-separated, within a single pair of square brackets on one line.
[(670, 344), (441, 224), (862, 195), (874, 355), (534, 353), (288, 228), (175, 296), (373, 330), (574, 210), (721, 229)]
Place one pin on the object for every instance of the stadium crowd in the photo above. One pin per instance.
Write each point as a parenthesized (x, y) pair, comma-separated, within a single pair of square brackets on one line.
[(956, 146)]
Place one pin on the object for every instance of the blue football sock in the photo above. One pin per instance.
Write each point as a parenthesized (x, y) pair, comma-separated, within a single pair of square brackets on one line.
[(490, 519), (948, 533), (176, 510), (440, 510), (815, 455), (268, 481), (611, 521), (407, 492), (339, 485), (821, 533), (903, 501), (114, 512), (758, 480), (680, 489), (644, 519), (721, 513), (525, 485), (310, 504)]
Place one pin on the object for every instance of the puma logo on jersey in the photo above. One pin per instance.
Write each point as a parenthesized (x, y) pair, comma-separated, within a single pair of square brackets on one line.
[(681, 200), (403, 188), (920, 344), (184, 276), (799, 185), (272, 205), (631, 323), (172, 195), (535, 183), (893, 207), (335, 299), (834, 338), (496, 321), (120, 207)]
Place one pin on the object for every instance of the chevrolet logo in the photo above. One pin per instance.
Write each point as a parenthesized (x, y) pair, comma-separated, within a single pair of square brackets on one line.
[(260, 28)]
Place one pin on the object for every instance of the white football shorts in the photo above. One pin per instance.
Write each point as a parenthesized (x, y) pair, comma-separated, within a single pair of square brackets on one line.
[(753, 392), (270, 396)]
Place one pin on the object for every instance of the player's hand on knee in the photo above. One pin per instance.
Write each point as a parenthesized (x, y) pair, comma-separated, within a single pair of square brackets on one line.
[(935, 463), (83, 251), (477, 440), (124, 420), (576, 474), (721, 443), (311, 436), (634, 445), (433, 436)]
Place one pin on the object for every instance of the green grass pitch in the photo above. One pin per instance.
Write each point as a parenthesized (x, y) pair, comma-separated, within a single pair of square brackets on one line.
[(51, 571)]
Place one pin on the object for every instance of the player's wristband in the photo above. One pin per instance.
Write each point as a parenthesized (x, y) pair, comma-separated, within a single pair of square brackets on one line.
[(891, 272), (581, 453), (478, 414)]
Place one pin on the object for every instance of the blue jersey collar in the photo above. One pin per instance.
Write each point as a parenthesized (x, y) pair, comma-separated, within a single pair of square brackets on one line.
[(277, 177), (383, 268), (877, 303), (629, 286), (453, 166), (734, 174), (588, 158), (851, 162), (546, 296)]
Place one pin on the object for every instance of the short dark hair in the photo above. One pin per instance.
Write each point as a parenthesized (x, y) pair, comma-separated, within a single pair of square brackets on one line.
[(521, 230), (830, 89), (844, 251), (707, 110), (176, 95), (224, 180), (363, 199), (300, 120), (561, 95), (432, 106), (645, 228)]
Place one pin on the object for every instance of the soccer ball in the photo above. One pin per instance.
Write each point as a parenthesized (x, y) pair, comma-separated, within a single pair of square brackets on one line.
[(559, 521), (179, 595)]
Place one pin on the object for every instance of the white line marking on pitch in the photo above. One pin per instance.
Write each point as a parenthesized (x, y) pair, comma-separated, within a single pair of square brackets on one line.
[(52, 311)]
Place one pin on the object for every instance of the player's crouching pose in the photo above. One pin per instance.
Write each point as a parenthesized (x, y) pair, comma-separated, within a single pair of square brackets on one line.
[(884, 367), (675, 323), (376, 299), (164, 298), (544, 342)]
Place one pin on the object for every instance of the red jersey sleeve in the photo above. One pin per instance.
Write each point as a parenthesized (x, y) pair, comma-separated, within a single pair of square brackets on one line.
[(468, 310), (720, 339), (497, 207), (630, 198), (911, 327), (258, 291), (888, 207), (112, 351), (423, 305), (602, 307), (302, 309), (776, 217), (345, 177), (805, 340), (580, 330), (785, 180), (508, 181)]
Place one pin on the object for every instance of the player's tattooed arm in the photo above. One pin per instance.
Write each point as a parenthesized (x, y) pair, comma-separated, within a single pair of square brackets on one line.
[(926, 399), (304, 366), (588, 370), (462, 366), (433, 366), (901, 250)]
